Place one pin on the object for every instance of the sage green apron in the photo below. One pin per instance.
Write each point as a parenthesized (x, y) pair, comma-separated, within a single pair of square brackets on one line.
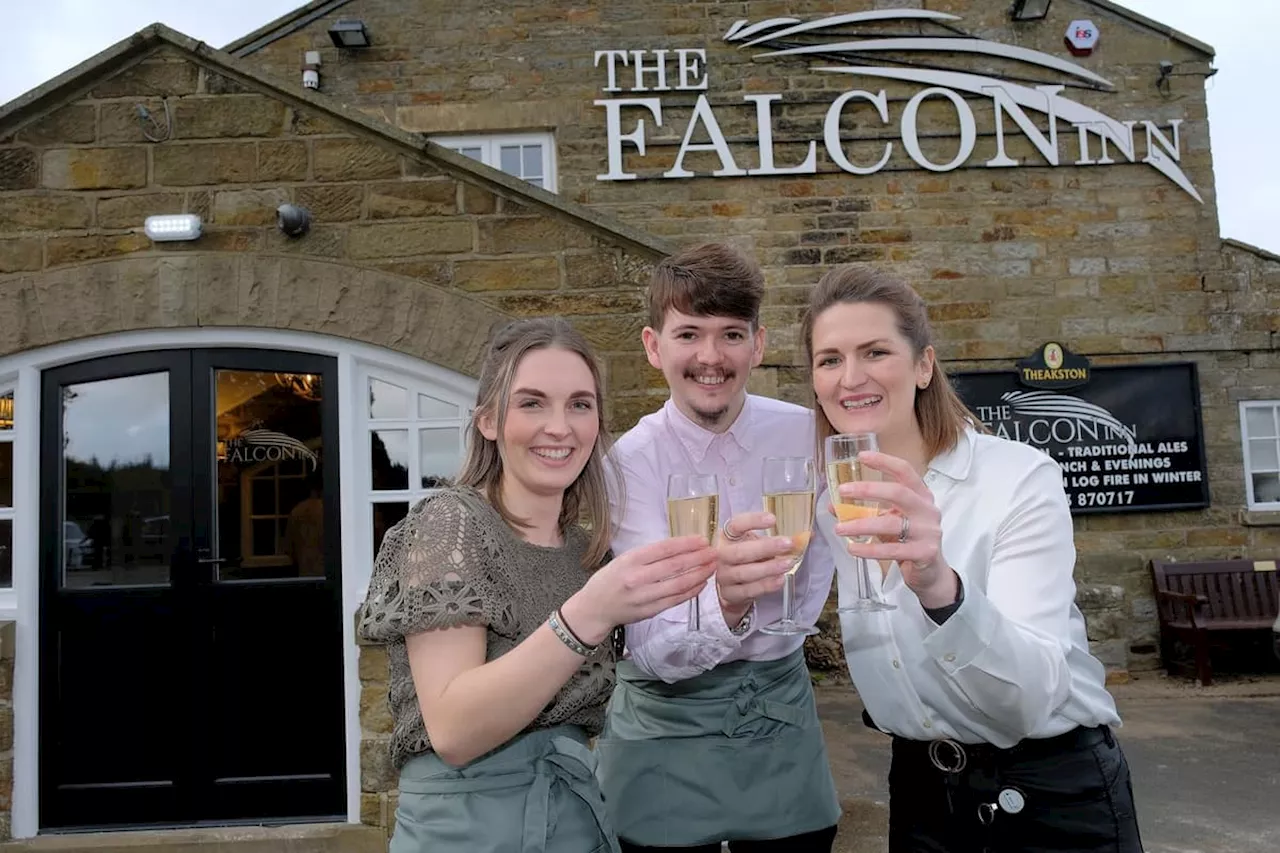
[(536, 794), (736, 753)]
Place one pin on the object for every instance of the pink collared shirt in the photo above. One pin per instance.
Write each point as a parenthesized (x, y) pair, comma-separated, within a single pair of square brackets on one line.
[(667, 442)]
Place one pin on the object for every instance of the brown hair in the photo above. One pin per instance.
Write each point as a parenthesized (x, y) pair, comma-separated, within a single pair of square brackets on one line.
[(710, 280), (586, 500), (939, 411)]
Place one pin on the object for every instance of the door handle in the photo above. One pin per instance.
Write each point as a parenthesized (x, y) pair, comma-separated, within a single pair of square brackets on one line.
[(210, 561)]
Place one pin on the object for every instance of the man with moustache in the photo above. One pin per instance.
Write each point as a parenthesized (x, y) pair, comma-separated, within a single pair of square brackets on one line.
[(713, 734)]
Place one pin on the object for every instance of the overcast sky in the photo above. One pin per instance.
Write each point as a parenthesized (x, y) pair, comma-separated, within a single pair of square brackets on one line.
[(54, 35)]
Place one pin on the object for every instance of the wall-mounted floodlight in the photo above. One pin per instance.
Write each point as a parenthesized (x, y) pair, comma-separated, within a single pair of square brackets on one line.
[(1030, 10), (349, 33), (177, 226)]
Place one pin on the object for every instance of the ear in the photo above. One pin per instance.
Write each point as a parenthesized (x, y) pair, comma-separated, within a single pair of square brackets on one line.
[(757, 347), (924, 368), (649, 337), (487, 424)]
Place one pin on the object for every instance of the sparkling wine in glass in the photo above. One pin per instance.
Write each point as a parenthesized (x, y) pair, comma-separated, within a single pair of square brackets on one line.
[(788, 496), (693, 509), (841, 453)]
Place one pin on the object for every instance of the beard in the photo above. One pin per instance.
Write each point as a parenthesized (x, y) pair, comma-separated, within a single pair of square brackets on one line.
[(709, 418)]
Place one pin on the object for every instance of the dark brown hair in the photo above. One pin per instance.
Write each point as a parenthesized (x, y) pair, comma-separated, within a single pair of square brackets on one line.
[(939, 411), (709, 280), (586, 500)]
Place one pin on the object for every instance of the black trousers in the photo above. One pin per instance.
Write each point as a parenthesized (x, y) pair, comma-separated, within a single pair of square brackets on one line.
[(1075, 791), (810, 842)]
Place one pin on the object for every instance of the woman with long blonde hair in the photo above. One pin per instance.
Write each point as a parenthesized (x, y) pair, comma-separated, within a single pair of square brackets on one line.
[(499, 603)]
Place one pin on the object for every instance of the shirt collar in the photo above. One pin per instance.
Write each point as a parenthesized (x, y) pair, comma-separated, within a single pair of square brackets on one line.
[(697, 439), (956, 462)]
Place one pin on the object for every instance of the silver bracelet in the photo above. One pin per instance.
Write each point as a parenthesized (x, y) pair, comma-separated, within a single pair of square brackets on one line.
[(556, 621)]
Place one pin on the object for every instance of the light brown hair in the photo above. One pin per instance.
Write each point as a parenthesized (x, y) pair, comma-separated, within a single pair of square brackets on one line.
[(939, 411), (709, 280), (586, 500)]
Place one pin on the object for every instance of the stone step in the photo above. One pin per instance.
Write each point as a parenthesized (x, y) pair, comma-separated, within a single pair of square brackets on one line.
[(302, 838)]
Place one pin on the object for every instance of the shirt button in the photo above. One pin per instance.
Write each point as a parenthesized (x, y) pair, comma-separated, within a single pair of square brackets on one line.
[(928, 725), (896, 665), (949, 658), (733, 481)]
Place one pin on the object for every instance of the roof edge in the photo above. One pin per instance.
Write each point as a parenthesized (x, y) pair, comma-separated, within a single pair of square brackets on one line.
[(1152, 24), (285, 25), (88, 74), (1250, 248)]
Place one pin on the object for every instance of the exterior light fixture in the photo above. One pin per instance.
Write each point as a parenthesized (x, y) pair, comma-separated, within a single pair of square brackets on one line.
[(1030, 10), (178, 226), (349, 33)]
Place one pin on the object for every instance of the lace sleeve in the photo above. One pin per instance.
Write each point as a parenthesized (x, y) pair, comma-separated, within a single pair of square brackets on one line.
[(432, 571)]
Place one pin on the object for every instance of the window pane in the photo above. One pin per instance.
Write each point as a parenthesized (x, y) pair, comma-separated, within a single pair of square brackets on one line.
[(1266, 488), (1260, 421), (387, 400), (116, 482), (6, 473), (509, 159), (430, 407), (6, 411), (532, 161), (390, 459), (440, 458), (6, 553), (1262, 455), (475, 153), (537, 182), (384, 518)]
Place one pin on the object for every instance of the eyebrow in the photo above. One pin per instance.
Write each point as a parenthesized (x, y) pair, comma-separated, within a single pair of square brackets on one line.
[(534, 392), (877, 341)]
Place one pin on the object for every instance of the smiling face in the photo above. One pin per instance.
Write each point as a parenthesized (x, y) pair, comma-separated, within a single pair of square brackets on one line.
[(551, 425), (706, 362), (865, 374)]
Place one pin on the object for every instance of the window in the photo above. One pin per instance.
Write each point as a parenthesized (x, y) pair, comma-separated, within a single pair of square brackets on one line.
[(530, 156), (412, 443), (1260, 426), (6, 487)]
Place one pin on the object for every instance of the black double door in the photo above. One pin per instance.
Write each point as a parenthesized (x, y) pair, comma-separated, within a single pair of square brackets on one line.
[(191, 607)]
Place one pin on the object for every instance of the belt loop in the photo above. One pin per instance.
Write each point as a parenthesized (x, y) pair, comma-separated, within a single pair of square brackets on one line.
[(1109, 737)]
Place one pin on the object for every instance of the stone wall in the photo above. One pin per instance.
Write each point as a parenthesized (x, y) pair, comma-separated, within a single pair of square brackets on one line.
[(401, 254), (1115, 261), (8, 635)]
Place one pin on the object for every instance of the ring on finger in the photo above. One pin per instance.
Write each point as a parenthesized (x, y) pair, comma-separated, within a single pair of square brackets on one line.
[(906, 528), (724, 528)]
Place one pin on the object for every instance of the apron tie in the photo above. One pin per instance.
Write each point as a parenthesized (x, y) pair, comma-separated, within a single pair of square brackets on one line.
[(562, 761), (746, 707)]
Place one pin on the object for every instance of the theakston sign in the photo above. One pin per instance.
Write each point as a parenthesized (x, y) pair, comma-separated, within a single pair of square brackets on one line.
[(636, 79)]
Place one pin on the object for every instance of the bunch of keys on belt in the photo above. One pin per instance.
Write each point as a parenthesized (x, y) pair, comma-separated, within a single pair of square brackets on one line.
[(1009, 801)]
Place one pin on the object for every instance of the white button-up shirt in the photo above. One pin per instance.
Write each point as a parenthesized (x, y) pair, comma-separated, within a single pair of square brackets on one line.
[(667, 442), (1013, 661)]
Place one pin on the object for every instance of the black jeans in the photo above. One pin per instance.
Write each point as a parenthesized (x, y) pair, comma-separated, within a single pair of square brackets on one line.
[(810, 842), (1076, 793)]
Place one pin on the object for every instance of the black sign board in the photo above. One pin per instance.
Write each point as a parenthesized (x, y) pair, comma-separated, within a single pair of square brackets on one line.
[(1130, 440)]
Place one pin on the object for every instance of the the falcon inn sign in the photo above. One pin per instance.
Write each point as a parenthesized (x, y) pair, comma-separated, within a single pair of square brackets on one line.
[(636, 80)]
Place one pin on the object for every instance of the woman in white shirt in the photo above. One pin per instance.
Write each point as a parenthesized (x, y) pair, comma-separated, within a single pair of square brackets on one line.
[(1001, 721)]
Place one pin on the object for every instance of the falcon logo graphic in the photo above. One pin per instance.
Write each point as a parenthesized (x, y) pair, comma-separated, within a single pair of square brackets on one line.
[(914, 58), (1046, 404)]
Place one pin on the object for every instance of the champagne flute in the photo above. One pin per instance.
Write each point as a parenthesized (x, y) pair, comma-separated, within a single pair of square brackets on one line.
[(693, 509), (788, 496), (843, 467)]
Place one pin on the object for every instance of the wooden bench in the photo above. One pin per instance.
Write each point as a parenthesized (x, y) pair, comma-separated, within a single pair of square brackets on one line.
[(1199, 602)]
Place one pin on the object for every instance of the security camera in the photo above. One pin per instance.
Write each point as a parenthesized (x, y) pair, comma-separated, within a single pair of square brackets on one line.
[(293, 220), (1166, 67)]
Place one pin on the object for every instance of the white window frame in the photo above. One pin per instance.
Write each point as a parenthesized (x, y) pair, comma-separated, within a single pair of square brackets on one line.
[(491, 143), (1246, 441)]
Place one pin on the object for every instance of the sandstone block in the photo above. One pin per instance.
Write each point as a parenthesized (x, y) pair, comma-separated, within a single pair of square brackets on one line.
[(353, 160), (390, 240), (201, 163), (95, 168), (19, 169), (536, 273)]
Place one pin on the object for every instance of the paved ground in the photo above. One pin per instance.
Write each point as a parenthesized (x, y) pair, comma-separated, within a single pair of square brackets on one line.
[(1206, 764)]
